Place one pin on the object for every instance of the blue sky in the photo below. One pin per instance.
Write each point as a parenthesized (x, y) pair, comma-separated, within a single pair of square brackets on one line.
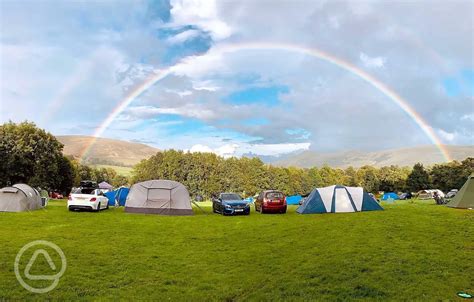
[(67, 65)]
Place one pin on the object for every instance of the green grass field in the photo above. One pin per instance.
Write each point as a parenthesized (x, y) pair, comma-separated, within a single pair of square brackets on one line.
[(409, 252)]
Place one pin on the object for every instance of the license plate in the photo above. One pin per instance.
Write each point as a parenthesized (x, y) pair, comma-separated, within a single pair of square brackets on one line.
[(239, 210)]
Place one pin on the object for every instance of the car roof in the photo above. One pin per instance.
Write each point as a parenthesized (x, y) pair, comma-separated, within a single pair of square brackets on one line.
[(269, 191)]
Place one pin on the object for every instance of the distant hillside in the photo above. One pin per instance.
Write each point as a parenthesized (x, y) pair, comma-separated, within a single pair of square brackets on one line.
[(427, 155), (106, 151)]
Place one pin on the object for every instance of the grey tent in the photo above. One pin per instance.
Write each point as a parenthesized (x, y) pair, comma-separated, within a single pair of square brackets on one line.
[(165, 197), (105, 185), (464, 199), (19, 198)]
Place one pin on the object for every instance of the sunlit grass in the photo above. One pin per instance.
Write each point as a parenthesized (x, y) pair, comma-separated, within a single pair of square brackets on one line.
[(410, 251)]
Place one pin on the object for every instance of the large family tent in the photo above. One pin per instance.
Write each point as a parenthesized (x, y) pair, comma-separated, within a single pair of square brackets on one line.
[(165, 197), (118, 196), (338, 199), (19, 198), (464, 199), (390, 196)]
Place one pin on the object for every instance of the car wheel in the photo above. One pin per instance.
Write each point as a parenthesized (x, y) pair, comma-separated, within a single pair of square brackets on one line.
[(107, 207), (283, 211), (261, 210), (98, 207)]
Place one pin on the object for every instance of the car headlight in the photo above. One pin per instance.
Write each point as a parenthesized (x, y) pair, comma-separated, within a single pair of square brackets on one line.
[(227, 206)]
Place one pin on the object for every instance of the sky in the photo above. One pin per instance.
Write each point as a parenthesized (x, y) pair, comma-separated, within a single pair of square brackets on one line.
[(67, 65)]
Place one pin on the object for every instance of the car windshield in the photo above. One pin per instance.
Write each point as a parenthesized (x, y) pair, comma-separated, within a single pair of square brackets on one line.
[(274, 195), (84, 191), (230, 196)]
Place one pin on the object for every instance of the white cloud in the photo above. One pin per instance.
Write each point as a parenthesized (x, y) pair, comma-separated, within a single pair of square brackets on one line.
[(184, 36), (448, 136), (375, 62), (469, 117), (225, 151), (229, 150), (202, 13), (188, 110)]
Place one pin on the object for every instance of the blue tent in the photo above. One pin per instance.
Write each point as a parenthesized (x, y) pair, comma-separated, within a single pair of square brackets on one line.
[(338, 199), (294, 199), (119, 195), (390, 195), (248, 200)]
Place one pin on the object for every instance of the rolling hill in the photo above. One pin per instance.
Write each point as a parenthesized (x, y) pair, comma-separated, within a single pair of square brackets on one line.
[(427, 155), (106, 151), (114, 152)]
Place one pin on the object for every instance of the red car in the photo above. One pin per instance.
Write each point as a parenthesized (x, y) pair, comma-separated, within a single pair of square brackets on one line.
[(56, 195), (271, 201)]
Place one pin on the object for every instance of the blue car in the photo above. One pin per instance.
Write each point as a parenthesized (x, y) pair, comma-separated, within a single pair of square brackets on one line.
[(230, 204)]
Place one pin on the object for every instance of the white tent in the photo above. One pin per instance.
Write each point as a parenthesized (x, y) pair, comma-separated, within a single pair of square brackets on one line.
[(165, 197), (428, 194), (19, 198), (338, 199)]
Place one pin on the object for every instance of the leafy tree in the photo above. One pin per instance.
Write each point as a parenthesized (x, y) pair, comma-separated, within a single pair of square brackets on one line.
[(30, 155), (392, 178), (419, 179), (368, 178)]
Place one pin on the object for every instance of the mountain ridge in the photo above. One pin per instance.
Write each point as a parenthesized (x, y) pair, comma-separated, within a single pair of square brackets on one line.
[(107, 151), (407, 156)]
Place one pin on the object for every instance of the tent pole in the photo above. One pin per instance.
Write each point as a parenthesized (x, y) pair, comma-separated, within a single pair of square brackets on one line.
[(195, 203)]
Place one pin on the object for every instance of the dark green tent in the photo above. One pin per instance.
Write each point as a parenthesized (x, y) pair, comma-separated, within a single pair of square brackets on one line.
[(464, 199)]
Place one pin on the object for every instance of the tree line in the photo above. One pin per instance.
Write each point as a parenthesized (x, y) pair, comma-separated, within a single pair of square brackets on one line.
[(206, 174), (33, 156)]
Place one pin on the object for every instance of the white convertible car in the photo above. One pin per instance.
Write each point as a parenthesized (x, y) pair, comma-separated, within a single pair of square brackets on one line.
[(87, 199)]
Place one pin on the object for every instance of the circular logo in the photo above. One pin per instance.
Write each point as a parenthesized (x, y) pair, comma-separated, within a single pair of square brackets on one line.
[(39, 251)]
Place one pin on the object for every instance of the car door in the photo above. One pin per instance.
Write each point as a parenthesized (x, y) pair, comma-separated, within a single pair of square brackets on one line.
[(215, 204), (219, 205), (102, 199)]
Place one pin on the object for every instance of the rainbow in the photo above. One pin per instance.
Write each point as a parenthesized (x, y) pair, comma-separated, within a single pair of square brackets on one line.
[(313, 52)]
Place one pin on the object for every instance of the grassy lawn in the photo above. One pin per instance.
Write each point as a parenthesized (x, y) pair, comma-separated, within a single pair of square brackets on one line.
[(411, 252)]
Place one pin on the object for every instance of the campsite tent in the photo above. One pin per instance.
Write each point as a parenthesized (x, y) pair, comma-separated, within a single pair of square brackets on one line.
[(19, 198), (428, 194), (338, 199), (390, 196), (105, 185), (464, 199), (118, 196), (293, 199), (164, 197)]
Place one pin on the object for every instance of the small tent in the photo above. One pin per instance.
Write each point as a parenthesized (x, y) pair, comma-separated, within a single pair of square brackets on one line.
[(293, 199), (105, 186), (390, 196), (165, 197), (464, 199), (19, 198), (428, 194), (118, 196), (338, 199)]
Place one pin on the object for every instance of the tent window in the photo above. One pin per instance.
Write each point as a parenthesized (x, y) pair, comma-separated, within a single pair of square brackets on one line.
[(159, 195)]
